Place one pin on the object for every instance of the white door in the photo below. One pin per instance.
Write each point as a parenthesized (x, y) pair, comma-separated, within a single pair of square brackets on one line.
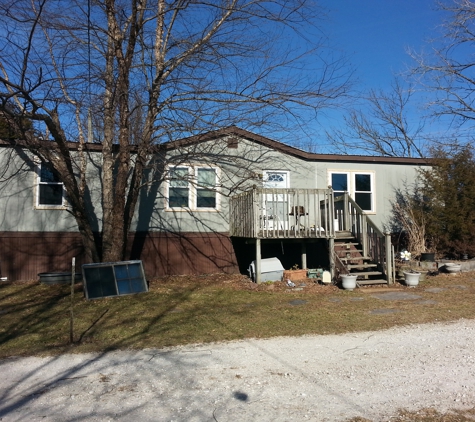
[(275, 205)]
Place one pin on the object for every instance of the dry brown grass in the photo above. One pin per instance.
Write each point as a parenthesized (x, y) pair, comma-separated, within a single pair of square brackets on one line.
[(181, 310)]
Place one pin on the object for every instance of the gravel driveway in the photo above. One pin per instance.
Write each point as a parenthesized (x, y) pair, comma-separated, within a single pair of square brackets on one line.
[(317, 378)]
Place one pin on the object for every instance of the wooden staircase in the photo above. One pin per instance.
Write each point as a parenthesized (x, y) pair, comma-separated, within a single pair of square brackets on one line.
[(350, 259)]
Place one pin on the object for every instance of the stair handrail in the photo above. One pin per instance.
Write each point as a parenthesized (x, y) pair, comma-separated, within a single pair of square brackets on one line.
[(375, 244), (339, 265)]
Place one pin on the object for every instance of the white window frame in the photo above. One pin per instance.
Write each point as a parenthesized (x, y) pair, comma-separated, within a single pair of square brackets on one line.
[(38, 183), (351, 174), (193, 188)]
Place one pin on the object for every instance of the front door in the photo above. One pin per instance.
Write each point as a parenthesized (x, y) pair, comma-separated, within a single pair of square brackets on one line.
[(275, 204)]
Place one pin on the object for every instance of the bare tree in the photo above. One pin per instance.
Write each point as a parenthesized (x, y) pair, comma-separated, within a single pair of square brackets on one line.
[(146, 72), (447, 70), (382, 126)]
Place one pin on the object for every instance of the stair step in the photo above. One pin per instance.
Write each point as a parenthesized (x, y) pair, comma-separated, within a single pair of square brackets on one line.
[(361, 266), (346, 244), (370, 282), (354, 258), (366, 273), (344, 235)]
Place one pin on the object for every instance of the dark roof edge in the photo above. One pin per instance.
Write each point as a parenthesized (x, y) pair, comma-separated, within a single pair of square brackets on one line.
[(72, 146), (234, 130), (287, 149)]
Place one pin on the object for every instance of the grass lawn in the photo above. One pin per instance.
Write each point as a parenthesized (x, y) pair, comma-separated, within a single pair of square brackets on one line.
[(179, 310)]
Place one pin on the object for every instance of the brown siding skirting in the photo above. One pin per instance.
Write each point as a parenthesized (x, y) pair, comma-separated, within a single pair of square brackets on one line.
[(25, 254), (184, 253)]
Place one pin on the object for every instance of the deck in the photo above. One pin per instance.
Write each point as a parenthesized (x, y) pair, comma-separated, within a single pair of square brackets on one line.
[(262, 213), (283, 214)]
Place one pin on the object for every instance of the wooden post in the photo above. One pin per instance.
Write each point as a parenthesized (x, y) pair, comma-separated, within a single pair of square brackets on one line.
[(346, 213), (389, 261), (364, 234), (304, 254), (258, 260), (331, 250)]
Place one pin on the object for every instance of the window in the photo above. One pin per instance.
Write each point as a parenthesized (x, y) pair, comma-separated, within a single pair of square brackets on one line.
[(50, 192), (276, 179), (179, 191), (193, 187), (362, 192), (113, 279), (205, 194), (360, 186)]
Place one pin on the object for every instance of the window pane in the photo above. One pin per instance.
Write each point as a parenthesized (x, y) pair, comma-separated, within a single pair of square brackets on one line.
[(136, 285), (340, 182), (205, 199), (121, 272), (362, 183), (123, 287), (275, 178), (178, 197), (47, 174), (179, 177), (363, 200), (100, 282), (134, 271), (207, 178), (51, 194)]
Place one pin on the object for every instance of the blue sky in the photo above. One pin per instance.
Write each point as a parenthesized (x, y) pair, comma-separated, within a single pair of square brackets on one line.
[(376, 33)]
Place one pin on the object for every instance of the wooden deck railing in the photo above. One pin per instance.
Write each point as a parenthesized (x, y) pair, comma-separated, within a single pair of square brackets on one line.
[(282, 213), (375, 243)]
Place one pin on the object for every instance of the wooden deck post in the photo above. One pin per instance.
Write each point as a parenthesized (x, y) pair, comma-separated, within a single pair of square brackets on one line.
[(389, 261), (304, 254), (346, 213), (258, 260), (364, 234), (331, 256)]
